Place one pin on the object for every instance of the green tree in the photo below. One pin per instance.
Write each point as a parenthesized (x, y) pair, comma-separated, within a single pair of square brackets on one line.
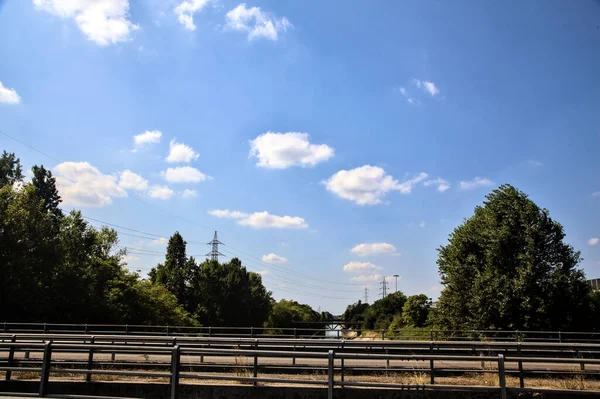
[(10, 169), (381, 313), (176, 273), (507, 267), (355, 313), (287, 314), (415, 312), (45, 188)]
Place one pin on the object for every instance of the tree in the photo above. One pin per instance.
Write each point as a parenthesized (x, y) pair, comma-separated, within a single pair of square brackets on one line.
[(45, 188), (507, 267), (415, 311), (10, 169), (355, 313), (288, 314), (176, 273), (381, 313)]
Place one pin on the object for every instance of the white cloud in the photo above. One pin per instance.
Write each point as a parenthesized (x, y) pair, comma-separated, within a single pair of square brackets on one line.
[(260, 220), (226, 213), (8, 96), (132, 181), (258, 24), (360, 267), (476, 182), (283, 150), (160, 192), (187, 193), (402, 90), (367, 184), (442, 185), (183, 174), (375, 248), (535, 163), (81, 184), (427, 86), (422, 224), (596, 194), (103, 21), (367, 277), (143, 140), (179, 152), (593, 241), (185, 12), (273, 258), (159, 241)]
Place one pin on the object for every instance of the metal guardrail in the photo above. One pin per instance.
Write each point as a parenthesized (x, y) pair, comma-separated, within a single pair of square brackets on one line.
[(298, 332), (49, 349)]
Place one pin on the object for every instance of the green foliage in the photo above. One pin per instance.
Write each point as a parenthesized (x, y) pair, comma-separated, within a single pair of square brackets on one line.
[(355, 313), (176, 273), (285, 314), (10, 169), (380, 314), (415, 312), (507, 267), (57, 268)]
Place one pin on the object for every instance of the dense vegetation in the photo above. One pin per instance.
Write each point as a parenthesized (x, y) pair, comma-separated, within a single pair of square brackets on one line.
[(506, 267)]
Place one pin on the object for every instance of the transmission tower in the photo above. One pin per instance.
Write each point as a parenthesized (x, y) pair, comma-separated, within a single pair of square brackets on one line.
[(366, 294), (383, 287), (214, 254)]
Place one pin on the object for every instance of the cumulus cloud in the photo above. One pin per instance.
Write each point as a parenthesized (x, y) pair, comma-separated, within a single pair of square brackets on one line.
[(160, 192), (81, 184), (132, 181), (183, 174), (374, 248), (261, 220), (442, 185), (360, 267), (273, 258), (185, 12), (593, 241), (476, 182), (8, 96), (143, 140), (365, 278), (179, 152), (283, 150), (426, 86), (103, 22), (256, 23), (187, 193), (367, 185)]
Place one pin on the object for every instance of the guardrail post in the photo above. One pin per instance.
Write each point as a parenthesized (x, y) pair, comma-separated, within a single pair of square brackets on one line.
[(342, 363), (5, 329), (113, 355), (209, 331), (251, 332), (330, 376), (560, 337), (85, 329), (45, 375), (45, 328), (255, 366), (11, 356), (175, 357), (88, 376), (167, 330), (502, 376), (521, 378), (295, 333), (126, 329), (387, 361), (431, 365)]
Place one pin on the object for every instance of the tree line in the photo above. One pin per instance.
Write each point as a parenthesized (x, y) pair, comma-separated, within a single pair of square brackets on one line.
[(505, 267)]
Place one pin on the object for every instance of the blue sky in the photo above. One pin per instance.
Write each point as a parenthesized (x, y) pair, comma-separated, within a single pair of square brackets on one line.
[(346, 138)]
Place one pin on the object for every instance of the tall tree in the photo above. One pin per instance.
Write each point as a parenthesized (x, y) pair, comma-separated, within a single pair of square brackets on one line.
[(507, 267), (415, 311), (45, 187), (10, 169), (176, 273)]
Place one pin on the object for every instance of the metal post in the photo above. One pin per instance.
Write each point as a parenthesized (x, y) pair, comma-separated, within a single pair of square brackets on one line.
[(112, 355), (251, 332), (5, 327), (45, 375), (45, 328), (167, 330), (175, 357), (502, 376), (88, 376), (521, 377), (560, 337), (431, 365), (294, 357), (85, 329), (295, 333), (209, 331), (342, 363), (387, 361), (11, 356), (330, 376), (126, 329), (255, 368)]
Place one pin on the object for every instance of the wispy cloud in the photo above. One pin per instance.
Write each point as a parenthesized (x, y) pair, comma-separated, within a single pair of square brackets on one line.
[(145, 139), (427, 86), (360, 267), (476, 182), (442, 185), (535, 163), (256, 23), (593, 241), (375, 248), (185, 12)]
